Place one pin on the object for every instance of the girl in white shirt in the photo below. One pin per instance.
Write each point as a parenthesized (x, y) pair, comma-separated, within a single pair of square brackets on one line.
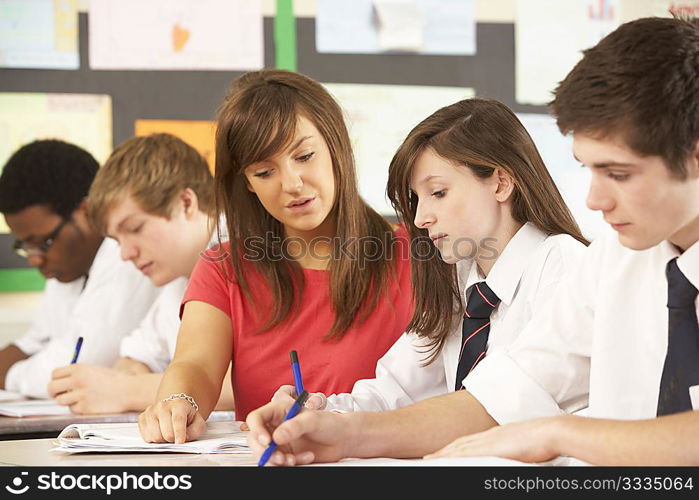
[(480, 206)]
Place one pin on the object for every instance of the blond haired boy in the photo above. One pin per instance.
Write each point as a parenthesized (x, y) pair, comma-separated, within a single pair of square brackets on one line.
[(153, 196)]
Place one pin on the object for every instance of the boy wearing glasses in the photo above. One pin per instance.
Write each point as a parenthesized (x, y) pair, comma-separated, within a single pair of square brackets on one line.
[(89, 291)]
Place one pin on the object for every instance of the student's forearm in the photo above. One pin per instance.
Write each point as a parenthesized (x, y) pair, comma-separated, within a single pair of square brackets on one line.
[(671, 440), (418, 429), (142, 390), (189, 378), (132, 366), (8, 357), (226, 400)]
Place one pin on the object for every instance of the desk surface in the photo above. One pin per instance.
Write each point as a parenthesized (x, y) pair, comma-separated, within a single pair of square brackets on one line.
[(51, 425), (37, 452)]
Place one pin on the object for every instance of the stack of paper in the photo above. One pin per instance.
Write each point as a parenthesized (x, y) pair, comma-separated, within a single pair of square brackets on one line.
[(220, 437), (33, 408), (10, 396)]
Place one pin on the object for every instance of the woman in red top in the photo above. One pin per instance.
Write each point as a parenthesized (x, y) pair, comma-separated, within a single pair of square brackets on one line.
[(309, 265)]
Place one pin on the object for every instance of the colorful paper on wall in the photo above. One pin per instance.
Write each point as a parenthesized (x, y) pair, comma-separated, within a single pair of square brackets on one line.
[(39, 34), (199, 134), (550, 36), (379, 118), (445, 27), (176, 35), (634, 9), (81, 119)]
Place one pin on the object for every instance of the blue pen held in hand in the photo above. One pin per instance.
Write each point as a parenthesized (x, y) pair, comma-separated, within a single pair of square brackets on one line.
[(76, 353), (296, 368), (293, 411)]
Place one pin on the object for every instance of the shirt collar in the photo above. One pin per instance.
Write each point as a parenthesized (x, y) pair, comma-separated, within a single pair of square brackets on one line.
[(688, 263), (505, 275)]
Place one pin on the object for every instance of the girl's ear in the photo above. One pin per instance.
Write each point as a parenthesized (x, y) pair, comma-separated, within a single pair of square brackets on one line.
[(505, 185)]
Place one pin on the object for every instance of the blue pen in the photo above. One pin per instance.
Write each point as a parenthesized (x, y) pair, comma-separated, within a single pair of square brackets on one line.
[(296, 368), (293, 411), (76, 353)]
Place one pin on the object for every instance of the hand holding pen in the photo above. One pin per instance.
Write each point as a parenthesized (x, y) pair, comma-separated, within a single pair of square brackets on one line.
[(293, 411), (315, 401), (287, 391)]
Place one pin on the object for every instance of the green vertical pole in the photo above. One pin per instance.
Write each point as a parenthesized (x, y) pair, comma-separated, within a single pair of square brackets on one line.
[(21, 280), (285, 35)]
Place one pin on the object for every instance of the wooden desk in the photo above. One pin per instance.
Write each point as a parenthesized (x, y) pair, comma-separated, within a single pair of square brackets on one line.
[(49, 426), (37, 452)]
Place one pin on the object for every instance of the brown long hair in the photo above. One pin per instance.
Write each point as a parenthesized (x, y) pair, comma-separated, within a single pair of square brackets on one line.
[(257, 120), (481, 134)]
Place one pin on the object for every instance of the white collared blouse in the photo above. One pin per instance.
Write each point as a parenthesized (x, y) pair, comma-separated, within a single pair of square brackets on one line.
[(524, 277)]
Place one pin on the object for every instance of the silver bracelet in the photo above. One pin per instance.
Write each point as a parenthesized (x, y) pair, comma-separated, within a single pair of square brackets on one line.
[(184, 396)]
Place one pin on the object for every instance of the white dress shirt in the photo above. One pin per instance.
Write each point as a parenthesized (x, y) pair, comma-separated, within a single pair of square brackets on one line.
[(153, 342), (603, 338), (112, 302), (524, 278)]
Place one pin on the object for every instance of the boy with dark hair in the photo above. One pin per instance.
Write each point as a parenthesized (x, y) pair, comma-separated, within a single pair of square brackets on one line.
[(42, 196), (621, 335)]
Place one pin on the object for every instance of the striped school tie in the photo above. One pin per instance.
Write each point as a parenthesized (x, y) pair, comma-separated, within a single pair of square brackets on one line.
[(475, 329), (681, 369)]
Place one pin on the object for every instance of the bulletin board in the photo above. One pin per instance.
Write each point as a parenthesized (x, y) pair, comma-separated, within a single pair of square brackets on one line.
[(195, 95)]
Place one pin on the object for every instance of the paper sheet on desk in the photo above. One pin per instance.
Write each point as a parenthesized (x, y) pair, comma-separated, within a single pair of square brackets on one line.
[(10, 396), (33, 408), (220, 437)]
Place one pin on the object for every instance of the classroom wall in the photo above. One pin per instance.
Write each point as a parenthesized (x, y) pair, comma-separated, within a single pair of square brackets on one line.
[(195, 95)]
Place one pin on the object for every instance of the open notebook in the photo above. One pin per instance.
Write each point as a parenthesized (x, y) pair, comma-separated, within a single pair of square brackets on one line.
[(220, 437)]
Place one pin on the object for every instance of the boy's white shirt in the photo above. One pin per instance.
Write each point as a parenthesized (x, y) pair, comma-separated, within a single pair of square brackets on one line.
[(603, 338), (115, 299), (153, 342), (524, 278)]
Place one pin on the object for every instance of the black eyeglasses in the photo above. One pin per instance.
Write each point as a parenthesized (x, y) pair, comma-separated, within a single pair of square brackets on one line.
[(24, 249)]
